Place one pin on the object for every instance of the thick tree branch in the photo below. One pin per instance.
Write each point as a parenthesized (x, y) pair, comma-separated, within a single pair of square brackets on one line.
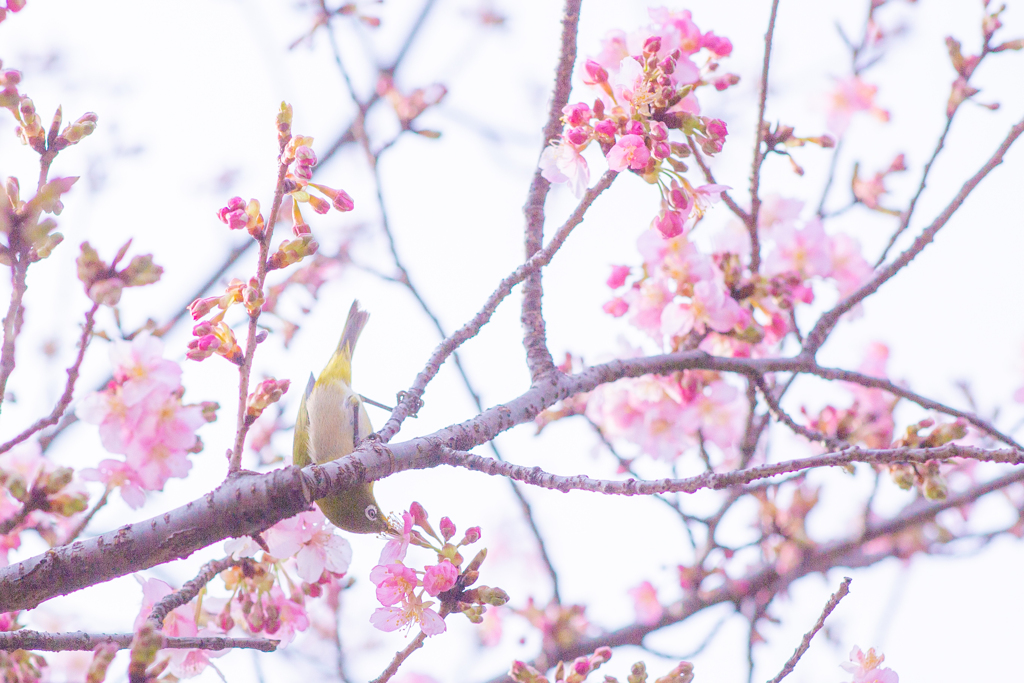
[(79, 640), (247, 503)]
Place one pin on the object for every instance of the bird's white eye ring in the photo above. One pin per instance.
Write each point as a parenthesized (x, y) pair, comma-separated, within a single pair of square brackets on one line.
[(371, 513)]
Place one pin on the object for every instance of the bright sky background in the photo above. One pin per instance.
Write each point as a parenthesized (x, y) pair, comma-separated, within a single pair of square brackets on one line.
[(186, 95)]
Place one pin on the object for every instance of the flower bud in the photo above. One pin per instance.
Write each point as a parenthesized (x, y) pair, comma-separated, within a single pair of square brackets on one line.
[(447, 528)]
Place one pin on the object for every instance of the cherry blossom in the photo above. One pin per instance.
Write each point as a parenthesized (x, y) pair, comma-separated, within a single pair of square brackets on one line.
[(395, 582), (179, 623), (645, 602), (864, 667), (314, 544), (852, 95), (140, 415), (628, 152), (119, 475), (414, 610), (140, 368), (440, 577), (563, 163)]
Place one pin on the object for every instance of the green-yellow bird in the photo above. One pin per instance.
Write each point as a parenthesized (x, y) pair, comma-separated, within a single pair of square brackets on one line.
[(331, 422)]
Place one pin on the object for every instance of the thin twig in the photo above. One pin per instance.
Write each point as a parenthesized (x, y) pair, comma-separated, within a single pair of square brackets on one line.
[(410, 399), (710, 177), (783, 417), (833, 163), (535, 476), (241, 427), (405, 280), (190, 590), (12, 321), (805, 642), (538, 356), (69, 387), (403, 655), (909, 213), (755, 171), (816, 337)]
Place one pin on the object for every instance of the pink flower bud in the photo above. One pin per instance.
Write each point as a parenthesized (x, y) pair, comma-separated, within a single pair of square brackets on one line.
[(447, 528), (440, 577), (720, 47), (618, 276), (419, 514), (594, 73), (577, 136), (201, 307), (606, 128), (577, 114), (617, 307)]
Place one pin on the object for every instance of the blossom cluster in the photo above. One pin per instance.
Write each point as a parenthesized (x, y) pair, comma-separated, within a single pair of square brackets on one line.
[(646, 85), (213, 335), (30, 128), (687, 296), (140, 416), (35, 493), (264, 599), (448, 580)]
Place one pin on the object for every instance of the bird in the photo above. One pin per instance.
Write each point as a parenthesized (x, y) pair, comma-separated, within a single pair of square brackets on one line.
[(331, 423)]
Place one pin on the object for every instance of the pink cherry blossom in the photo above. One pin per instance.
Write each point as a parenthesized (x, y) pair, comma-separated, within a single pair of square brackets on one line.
[(628, 152), (678, 29), (406, 614), (716, 412), (643, 411), (864, 667), (710, 306), (776, 210), (645, 602), (139, 367), (628, 82), (806, 251), (118, 474), (618, 276), (578, 114), (395, 549), (140, 415), (563, 163), (849, 268), (706, 195), (618, 307), (395, 582), (852, 95), (440, 577), (669, 223), (284, 616), (613, 51), (721, 47), (647, 303), (180, 623), (314, 544)]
